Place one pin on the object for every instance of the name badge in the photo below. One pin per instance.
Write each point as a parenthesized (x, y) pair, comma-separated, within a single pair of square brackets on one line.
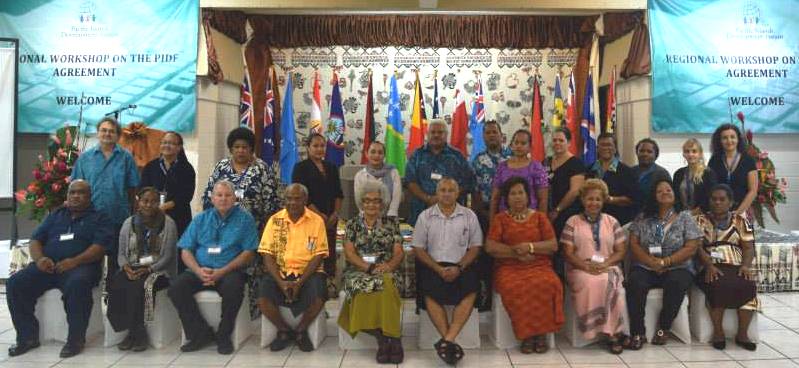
[(145, 261), (655, 250), (436, 176), (370, 259), (162, 198), (66, 237), (311, 243), (214, 250), (240, 194), (716, 255), (597, 259)]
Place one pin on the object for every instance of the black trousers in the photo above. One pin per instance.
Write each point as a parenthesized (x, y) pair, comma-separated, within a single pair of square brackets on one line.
[(181, 292), (26, 286), (126, 301), (675, 284)]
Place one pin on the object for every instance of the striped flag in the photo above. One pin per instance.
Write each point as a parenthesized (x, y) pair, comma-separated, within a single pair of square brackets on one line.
[(395, 142), (246, 118), (418, 118), (316, 107), (368, 123), (537, 143), (558, 110), (571, 118), (335, 127), (610, 125), (478, 118), (588, 124), (268, 134)]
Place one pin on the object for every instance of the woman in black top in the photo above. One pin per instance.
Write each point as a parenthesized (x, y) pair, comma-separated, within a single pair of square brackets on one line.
[(566, 176), (692, 183), (733, 166), (620, 178), (174, 177), (324, 191)]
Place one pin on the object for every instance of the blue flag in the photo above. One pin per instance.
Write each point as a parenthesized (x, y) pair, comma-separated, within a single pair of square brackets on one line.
[(289, 155), (435, 99), (476, 121), (587, 130), (335, 128), (395, 141)]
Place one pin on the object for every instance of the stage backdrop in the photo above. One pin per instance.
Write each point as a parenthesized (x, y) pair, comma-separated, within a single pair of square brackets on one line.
[(116, 53), (7, 79), (713, 57), (507, 77)]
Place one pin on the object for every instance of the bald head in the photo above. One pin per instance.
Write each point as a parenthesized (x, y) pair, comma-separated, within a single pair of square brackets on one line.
[(79, 195)]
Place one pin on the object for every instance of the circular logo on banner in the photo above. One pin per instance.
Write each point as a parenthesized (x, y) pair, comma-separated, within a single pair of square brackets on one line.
[(335, 130)]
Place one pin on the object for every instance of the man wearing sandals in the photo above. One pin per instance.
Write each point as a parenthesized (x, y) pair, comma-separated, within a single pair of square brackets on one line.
[(293, 246), (447, 241)]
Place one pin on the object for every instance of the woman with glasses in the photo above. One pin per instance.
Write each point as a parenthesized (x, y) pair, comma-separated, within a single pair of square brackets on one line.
[(663, 243), (173, 177)]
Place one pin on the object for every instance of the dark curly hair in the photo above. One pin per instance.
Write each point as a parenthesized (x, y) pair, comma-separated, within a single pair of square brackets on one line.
[(651, 206), (241, 133), (727, 190), (715, 142), (311, 138), (566, 133), (504, 191), (650, 141)]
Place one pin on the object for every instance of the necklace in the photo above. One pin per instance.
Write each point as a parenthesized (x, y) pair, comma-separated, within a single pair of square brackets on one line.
[(519, 216)]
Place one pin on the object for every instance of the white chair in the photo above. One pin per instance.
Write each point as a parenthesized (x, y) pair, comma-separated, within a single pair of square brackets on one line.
[(316, 331), (210, 304), (680, 327), (161, 331), (501, 332), (702, 327), (570, 329), (53, 319), (468, 338)]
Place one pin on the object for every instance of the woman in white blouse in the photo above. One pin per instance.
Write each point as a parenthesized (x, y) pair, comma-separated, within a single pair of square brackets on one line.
[(378, 170)]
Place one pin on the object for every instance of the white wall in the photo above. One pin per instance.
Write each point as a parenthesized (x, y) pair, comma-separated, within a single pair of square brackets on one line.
[(634, 110)]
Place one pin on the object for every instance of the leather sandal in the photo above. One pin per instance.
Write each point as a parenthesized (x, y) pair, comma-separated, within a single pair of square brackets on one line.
[(660, 337)]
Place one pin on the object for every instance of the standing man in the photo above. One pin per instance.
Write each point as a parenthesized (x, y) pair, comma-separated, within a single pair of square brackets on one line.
[(217, 246), (432, 162), (66, 250), (113, 176)]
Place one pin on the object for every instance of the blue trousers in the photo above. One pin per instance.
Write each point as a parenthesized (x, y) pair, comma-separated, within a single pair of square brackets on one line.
[(26, 286)]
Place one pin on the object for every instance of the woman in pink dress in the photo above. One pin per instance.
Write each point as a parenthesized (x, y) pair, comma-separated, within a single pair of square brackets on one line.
[(594, 245)]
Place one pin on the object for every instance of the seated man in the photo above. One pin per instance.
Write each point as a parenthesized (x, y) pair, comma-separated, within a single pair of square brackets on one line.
[(293, 246), (217, 247), (447, 240), (66, 250)]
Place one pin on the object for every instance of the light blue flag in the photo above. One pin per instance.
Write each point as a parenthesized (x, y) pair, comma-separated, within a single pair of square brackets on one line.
[(288, 146)]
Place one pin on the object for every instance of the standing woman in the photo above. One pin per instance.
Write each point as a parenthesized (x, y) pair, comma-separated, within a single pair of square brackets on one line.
[(663, 243), (733, 166), (377, 169), (692, 183), (255, 183), (174, 178), (520, 164), (620, 178), (147, 248), (566, 176), (324, 191)]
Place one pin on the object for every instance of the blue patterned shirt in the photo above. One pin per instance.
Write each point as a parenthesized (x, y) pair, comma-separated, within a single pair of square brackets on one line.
[(110, 180), (215, 241), (424, 167), (485, 166), (258, 186)]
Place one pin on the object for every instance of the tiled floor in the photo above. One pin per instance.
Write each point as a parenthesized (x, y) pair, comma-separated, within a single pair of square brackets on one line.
[(779, 348)]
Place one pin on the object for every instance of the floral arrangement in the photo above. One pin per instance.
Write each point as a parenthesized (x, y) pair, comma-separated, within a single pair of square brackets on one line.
[(48, 189), (770, 190)]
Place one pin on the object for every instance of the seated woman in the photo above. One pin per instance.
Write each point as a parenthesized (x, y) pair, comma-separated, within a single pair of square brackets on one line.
[(522, 241), (594, 245), (663, 243), (727, 252), (373, 250), (147, 248)]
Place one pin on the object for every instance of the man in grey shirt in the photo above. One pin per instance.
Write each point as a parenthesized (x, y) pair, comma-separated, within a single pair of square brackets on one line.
[(447, 241)]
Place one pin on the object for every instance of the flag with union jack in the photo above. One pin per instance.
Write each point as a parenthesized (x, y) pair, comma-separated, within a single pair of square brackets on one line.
[(268, 135), (246, 118), (478, 118)]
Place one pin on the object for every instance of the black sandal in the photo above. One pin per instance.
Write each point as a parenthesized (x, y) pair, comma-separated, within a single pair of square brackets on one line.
[(528, 345), (455, 352), (615, 346), (443, 350), (660, 337), (748, 345), (541, 345), (635, 342)]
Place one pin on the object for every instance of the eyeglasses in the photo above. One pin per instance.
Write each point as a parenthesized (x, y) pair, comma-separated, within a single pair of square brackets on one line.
[(372, 201)]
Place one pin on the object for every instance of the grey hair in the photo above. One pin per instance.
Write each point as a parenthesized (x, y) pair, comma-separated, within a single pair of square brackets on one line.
[(226, 183), (76, 181), (303, 188), (441, 122), (371, 186)]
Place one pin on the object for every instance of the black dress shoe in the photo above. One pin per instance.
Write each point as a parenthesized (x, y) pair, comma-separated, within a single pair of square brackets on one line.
[(70, 349), (304, 341), (282, 340), (720, 344), (127, 343), (22, 348), (748, 345), (198, 343), (224, 346)]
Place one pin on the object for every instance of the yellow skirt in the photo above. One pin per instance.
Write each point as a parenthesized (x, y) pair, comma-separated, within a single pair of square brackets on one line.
[(373, 311)]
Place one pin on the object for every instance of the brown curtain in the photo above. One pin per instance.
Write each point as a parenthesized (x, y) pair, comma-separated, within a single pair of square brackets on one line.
[(214, 69), (500, 31), (639, 59), (230, 23), (259, 59), (619, 24)]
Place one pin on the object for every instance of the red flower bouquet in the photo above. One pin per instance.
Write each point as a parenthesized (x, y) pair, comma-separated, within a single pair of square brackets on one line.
[(770, 190)]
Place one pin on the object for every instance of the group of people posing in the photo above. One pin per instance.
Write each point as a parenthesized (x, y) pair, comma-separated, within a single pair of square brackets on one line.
[(553, 230)]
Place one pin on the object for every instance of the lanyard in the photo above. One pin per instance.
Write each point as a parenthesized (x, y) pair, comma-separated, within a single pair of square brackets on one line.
[(594, 229), (731, 168), (660, 227)]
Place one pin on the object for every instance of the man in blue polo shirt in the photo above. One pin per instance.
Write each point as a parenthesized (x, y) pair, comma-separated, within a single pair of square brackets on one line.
[(216, 247), (66, 250)]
